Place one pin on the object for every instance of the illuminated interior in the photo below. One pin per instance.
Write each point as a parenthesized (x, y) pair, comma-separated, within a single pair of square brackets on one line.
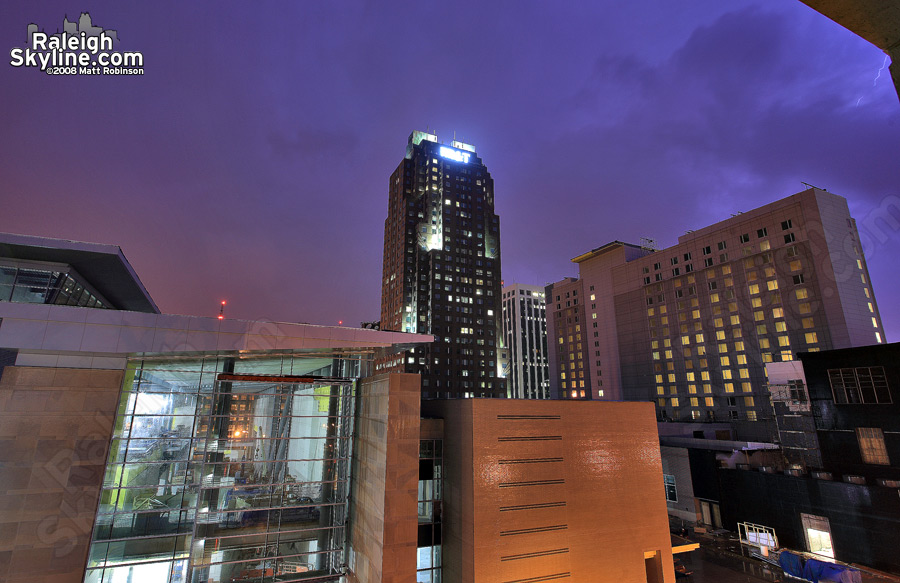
[(224, 469)]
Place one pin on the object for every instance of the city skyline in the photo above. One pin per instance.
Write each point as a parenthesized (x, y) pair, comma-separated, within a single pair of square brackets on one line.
[(261, 142)]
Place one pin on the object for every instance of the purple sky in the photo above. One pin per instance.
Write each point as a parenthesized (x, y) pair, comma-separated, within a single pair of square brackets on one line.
[(251, 160)]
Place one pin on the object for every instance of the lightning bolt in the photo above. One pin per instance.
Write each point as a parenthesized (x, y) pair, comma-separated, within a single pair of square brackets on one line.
[(877, 77)]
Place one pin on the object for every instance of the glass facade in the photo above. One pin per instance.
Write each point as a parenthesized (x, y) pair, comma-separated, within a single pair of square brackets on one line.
[(45, 285), (428, 557), (228, 469)]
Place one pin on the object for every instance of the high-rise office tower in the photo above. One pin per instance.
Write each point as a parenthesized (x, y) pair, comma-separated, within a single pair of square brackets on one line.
[(442, 268), (692, 327), (525, 341)]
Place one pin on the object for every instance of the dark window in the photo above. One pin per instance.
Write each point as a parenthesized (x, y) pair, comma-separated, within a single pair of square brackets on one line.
[(671, 495), (861, 385), (760, 233), (789, 238), (745, 237), (785, 225), (798, 392)]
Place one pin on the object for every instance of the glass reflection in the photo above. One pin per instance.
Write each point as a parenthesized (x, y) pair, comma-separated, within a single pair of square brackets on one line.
[(224, 480)]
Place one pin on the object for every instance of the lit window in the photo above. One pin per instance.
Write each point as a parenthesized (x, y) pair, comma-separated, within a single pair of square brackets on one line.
[(871, 446), (811, 338)]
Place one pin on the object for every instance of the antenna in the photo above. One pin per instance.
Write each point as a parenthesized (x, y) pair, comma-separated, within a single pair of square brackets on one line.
[(222, 311), (808, 185)]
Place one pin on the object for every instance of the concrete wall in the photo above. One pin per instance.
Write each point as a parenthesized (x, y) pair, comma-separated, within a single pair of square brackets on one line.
[(675, 461), (55, 427), (547, 490), (385, 479)]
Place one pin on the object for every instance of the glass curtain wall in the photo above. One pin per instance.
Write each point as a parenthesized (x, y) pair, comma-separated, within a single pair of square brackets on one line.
[(428, 552), (33, 285), (227, 470)]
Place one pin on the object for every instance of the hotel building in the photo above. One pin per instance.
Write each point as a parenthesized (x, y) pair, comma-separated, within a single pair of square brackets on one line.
[(691, 327)]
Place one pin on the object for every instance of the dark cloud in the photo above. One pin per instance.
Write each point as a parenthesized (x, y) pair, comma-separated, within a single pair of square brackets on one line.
[(251, 161)]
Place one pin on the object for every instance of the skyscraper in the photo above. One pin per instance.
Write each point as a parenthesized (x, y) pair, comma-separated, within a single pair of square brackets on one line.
[(525, 339), (442, 268), (692, 326)]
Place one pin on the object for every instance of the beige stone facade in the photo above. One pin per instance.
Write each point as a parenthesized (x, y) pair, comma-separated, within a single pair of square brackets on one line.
[(55, 427), (385, 480), (552, 490)]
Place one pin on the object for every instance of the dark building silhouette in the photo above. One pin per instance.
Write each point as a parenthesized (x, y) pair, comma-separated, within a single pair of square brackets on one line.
[(442, 269)]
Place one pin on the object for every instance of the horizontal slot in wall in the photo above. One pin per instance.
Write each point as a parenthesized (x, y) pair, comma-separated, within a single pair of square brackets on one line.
[(535, 530), (530, 438), (532, 483), (535, 555), (526, 417), (535, 506), (541, 578), (536, 460)]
